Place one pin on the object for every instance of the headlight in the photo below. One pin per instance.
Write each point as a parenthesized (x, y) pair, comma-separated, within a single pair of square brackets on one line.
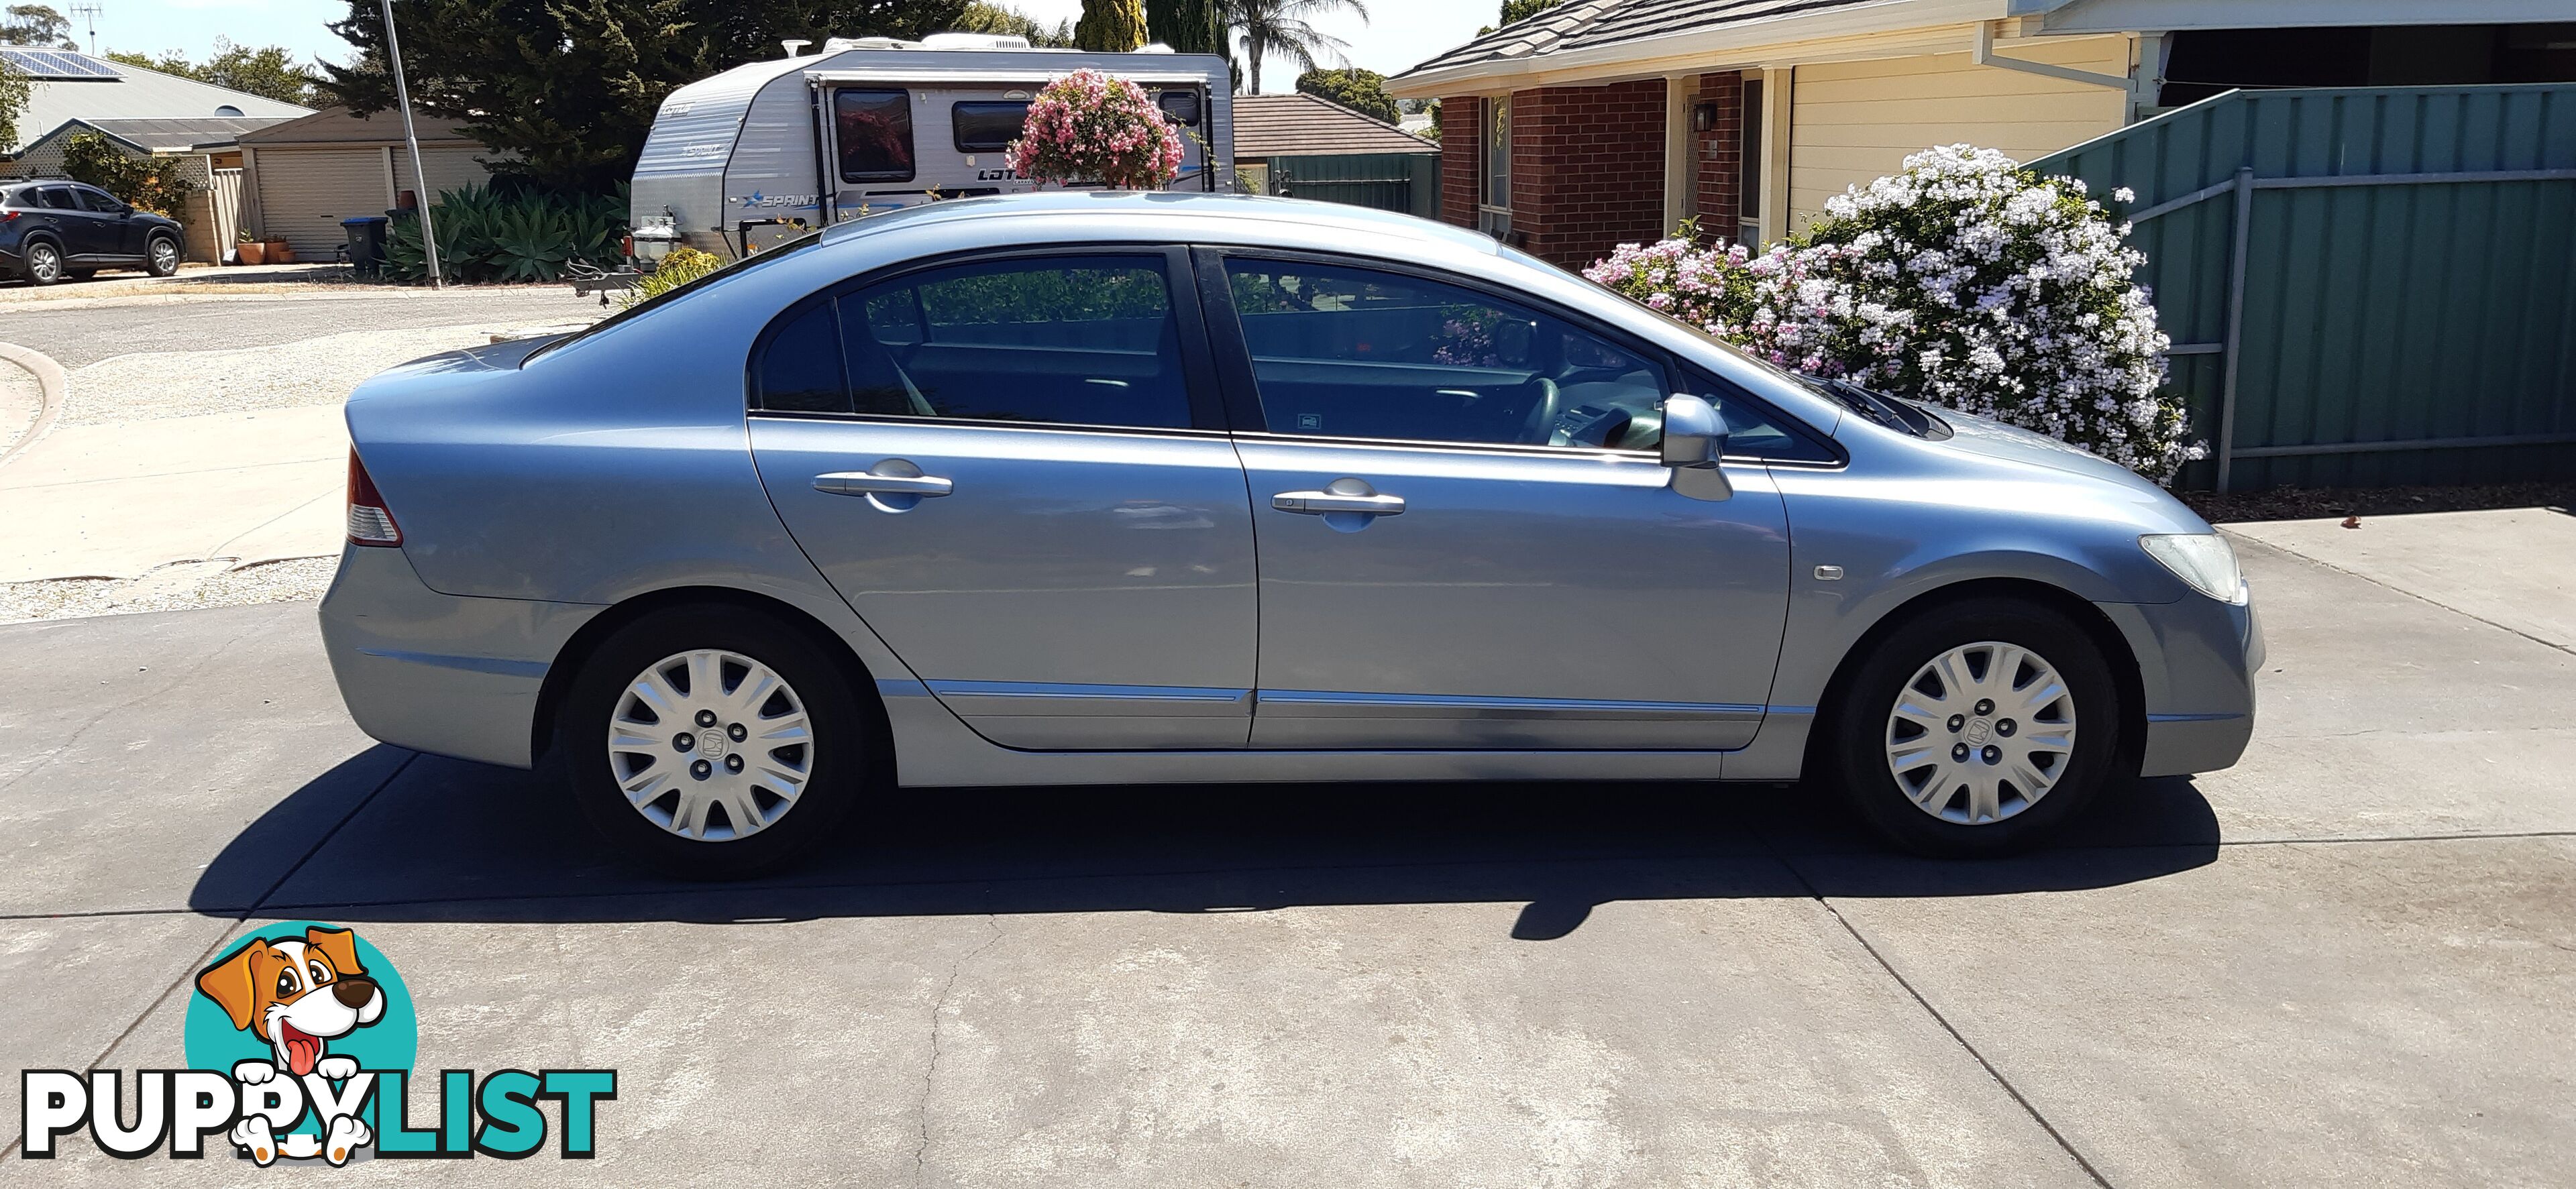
[(2204, 560)]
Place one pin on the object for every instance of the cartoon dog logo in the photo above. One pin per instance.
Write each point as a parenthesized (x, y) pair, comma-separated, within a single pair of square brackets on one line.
[(297, 995)]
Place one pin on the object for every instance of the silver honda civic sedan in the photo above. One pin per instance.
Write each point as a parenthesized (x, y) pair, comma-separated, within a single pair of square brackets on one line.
[(1117, 488)]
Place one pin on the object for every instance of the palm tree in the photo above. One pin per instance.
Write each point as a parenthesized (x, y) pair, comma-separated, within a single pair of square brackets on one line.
[(1283, 27)]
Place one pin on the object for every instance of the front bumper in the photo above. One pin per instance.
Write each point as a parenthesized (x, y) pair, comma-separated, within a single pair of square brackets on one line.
[(445, 674), (2196, 664)]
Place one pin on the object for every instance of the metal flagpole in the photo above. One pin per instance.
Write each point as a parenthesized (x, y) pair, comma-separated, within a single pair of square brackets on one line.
[(411, 139)]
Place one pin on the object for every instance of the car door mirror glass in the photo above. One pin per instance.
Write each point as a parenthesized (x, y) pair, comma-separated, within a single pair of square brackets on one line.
[(1694, 437)]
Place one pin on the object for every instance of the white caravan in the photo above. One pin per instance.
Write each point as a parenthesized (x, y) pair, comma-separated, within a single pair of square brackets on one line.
[(767, 150)]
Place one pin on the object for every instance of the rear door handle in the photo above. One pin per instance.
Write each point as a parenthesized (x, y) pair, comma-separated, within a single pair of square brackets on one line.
[(1318, 503), (870, 483)]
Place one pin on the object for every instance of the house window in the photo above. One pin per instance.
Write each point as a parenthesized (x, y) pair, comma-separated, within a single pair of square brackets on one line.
[(1494, 204), (1748, 175)]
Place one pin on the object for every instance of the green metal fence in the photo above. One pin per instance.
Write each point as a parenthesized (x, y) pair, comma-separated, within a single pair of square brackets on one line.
[(1404, 182), (2365, 287)]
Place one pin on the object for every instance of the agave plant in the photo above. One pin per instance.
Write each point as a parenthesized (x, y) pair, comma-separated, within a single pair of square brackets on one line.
[(521, 235)]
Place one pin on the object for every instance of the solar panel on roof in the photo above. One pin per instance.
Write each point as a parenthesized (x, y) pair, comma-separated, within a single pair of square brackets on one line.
[(56, 64)]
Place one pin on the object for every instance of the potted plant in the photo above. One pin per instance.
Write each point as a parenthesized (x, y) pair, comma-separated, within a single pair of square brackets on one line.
[(277, 252), (1089, 128), (249, 251)]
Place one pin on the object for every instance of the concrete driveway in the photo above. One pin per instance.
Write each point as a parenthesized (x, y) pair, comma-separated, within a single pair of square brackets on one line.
[(2351, 961)]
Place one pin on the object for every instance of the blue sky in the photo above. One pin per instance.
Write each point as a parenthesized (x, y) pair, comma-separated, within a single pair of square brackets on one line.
[(1405, 31)]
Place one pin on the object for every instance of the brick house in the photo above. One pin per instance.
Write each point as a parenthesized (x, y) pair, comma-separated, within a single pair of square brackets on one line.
[(1604, 121)]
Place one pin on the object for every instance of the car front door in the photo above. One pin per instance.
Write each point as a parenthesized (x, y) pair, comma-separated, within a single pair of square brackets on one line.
[(118, 234), (1466, 539), (1015, 471)]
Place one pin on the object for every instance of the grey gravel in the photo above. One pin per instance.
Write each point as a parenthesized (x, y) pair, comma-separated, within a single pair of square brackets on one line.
[(180, 586)]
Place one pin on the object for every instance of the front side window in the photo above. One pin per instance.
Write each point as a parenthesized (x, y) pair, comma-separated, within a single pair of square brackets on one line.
[(874, 131), (987, 127), (1064, 340), (1349, 352), (100, 201)]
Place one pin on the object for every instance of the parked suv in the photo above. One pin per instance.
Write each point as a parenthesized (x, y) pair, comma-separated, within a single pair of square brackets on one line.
[(53, 229)]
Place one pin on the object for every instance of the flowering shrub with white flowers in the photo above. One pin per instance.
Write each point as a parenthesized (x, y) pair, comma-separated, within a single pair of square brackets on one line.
[(1965, 281), (1094, 127)]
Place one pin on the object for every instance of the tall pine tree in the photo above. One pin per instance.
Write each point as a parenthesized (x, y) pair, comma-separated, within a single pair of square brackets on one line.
[(1189, 26), (568, 88), (1110, 26)]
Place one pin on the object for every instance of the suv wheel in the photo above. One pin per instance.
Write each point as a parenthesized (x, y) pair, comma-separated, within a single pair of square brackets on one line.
[(44, 263), (1980, 728), (713, 743), (162, 256)]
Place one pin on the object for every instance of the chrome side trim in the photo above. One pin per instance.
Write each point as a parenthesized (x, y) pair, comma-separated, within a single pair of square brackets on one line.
[(2192, 717), (1044, 689), (496, 666), (1305, 703)]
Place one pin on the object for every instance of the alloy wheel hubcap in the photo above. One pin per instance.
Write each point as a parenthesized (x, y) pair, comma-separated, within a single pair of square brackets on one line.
[(1981, 733), (710, 745), (163, 255), (44, 263)]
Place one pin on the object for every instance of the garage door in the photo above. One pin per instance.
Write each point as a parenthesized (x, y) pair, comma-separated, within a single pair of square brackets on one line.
[(449, 168), (304, 193)]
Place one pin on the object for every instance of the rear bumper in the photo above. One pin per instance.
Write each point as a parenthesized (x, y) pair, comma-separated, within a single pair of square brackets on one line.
[(2196, 664), (445, 674)]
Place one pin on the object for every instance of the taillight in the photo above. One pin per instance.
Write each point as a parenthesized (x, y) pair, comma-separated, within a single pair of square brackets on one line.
[(370, 521)]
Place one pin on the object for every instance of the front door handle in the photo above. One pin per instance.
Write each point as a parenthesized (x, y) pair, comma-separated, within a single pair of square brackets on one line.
[(867, 483), (1321, 503)]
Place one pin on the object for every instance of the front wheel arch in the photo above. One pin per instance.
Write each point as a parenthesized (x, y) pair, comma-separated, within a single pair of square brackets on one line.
[(2106, 637), (576, 653)]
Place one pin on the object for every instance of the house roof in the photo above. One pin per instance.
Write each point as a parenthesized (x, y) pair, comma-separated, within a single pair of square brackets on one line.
[(133, 93), (165, 136), (1303, 125), (1584, 24), (334, 125)]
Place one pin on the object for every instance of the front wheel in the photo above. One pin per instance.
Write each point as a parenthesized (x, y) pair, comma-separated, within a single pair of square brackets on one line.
[(162, 257), (1980, 728), (713, 742)]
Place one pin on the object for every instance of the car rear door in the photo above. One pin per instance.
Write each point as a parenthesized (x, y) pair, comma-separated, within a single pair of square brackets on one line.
[(85, 239), (1466, 539), (1015, 470)]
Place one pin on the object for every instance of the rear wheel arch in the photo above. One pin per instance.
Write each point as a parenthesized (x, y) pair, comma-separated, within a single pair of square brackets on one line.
[(2097, 627), (577, 651)]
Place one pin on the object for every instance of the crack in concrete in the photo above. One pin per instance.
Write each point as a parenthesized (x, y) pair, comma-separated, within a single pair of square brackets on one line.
[(930, 1071)]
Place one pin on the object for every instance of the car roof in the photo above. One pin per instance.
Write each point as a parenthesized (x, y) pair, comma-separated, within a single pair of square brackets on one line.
[(1186, 208)]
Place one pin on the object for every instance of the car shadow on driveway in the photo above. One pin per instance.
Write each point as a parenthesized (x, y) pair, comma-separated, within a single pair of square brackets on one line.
[(445, 840)]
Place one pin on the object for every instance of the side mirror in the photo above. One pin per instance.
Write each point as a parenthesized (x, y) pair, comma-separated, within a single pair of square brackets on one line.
[(1694, 435)]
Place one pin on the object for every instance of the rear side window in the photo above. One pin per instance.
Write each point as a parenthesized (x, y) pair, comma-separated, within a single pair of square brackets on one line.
[(1063, 340), (800, 370), (982, 127), (59, 198), (874, 130)]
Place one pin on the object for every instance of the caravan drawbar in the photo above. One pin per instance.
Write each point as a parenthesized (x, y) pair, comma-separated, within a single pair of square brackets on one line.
[(768, 150)]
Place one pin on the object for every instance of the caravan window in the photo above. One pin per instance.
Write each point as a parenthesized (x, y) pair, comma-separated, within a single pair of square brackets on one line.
[(874, 129), (1181, 106), (987, 127)]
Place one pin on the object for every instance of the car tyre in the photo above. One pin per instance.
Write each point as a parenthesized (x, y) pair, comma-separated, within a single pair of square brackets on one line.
[(161, 256), (1891, 774), (43, 263), (611, 735)]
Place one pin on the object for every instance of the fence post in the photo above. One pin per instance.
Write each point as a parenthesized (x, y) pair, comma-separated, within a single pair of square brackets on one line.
[(2235, 324)]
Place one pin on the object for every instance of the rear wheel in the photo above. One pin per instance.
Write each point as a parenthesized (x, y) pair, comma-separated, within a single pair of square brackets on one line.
[(43, 263), (713, 742), (161, 257), (1980, 728)]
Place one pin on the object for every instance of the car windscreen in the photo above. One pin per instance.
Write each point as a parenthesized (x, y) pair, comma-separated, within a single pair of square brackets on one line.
[(666, 297), (986, 126), (874, 132)]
